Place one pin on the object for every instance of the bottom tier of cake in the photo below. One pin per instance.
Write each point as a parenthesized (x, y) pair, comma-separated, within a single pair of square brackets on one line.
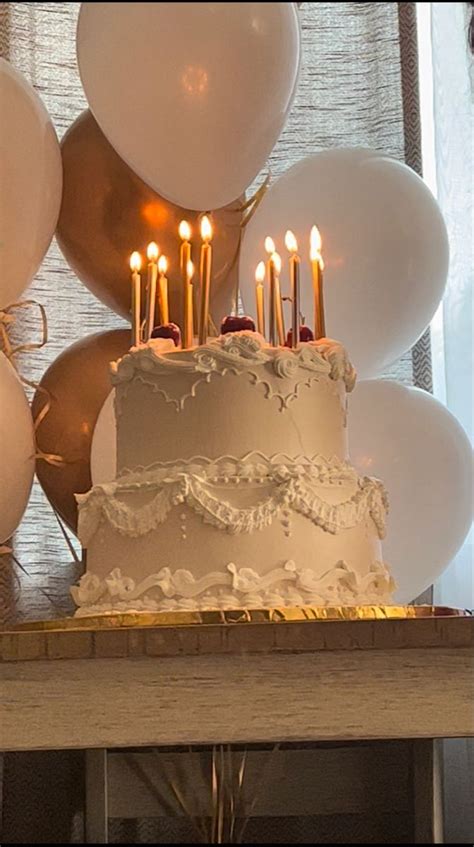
[(254, 532)]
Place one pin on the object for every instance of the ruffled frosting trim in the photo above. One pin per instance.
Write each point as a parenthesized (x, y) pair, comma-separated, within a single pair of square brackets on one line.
[(232, 588), (206, 488), (240, 353)]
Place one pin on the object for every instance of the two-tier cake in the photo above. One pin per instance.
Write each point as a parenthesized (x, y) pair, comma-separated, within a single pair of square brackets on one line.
[(234, 486)]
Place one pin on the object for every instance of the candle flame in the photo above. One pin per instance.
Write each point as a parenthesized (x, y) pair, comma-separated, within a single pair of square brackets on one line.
[(291, 243), (190, 270), (315, 244), (260, 272), (152, 251), (135, 261), (269, 245), (162, 264), (184, 231), (321, 261), (206, 229), (276, 259)]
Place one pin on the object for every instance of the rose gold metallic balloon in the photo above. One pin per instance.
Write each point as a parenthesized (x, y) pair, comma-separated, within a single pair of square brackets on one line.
[(77, 383), (107, 212)]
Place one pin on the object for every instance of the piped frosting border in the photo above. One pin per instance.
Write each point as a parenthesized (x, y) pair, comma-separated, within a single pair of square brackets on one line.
[(241, 353), (206, 487), (233, 588)]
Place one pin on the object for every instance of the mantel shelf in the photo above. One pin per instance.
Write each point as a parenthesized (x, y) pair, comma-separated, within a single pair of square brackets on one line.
[(319, 680)]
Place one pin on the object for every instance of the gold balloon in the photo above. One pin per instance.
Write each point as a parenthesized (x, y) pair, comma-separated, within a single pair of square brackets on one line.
[(107, 212), (77, 385)]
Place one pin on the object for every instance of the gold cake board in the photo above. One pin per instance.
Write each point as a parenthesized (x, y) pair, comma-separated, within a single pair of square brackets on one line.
[(300, 614)]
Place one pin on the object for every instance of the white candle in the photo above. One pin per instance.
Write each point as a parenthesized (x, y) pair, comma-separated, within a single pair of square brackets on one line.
[(152, 253), (135, 265), (292, 247)]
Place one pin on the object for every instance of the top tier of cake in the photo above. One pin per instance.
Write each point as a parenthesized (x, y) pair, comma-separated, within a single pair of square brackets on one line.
[(232, 396)]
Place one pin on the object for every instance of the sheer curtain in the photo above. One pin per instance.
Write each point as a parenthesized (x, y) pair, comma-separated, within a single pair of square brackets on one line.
[(448, 78), (453, 116)]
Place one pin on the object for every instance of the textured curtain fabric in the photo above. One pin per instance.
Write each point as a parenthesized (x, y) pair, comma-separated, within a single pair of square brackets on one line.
[(358, 87)]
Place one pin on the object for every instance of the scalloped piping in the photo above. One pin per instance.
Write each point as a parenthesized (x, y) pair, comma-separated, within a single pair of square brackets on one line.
[(233, 353), (290, 490)]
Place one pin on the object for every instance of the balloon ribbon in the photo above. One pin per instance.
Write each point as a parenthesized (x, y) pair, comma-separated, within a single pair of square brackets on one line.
[(7, 319)]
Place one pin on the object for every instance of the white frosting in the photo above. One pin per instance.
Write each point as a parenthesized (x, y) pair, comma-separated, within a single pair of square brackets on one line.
[(235, 393), (233, 588), (207, 488), (236, 452), (238, 352)]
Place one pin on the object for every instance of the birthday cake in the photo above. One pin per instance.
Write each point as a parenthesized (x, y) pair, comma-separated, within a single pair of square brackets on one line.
[(234, 486)]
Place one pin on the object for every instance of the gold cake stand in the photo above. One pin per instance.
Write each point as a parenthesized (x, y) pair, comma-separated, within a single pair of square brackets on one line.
[(241, 616)]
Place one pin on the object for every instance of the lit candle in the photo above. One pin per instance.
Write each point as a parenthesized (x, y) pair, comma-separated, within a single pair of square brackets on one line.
[(163, 290), (270, 248), (317, 267), (260, 296), (277, 302), (188, 307), (292, 247), (205, 290), (185, 254), (184, 257), (135, 265), (152, 253)]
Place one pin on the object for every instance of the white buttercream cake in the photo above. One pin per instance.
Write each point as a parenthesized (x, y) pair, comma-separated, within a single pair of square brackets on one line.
[(234, 486)]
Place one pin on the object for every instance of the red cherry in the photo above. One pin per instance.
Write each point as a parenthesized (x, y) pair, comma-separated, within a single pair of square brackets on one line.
[(306, 334), (170, 330), (237, 323)]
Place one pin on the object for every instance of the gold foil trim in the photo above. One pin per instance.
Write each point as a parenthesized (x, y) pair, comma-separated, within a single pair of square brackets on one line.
[(241, 616)]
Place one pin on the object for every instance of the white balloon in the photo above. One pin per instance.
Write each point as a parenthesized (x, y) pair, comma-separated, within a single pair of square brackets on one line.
[(104, 447), (17, 450), (385, 249), (414, 444), (193, 96), (30, 180)]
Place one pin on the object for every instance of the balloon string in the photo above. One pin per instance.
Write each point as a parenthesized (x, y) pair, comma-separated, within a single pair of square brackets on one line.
[(250, 206), (7, 319), (11, 558)]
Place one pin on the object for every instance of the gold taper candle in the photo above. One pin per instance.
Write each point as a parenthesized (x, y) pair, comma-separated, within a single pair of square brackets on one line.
[(184, 257), (270, 248), (277, 302), (135, 265), (260, 297), (205, 289), (317, 267), (188, 334), (163, 290), (292, 247), (185, 253), (152, 253)]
